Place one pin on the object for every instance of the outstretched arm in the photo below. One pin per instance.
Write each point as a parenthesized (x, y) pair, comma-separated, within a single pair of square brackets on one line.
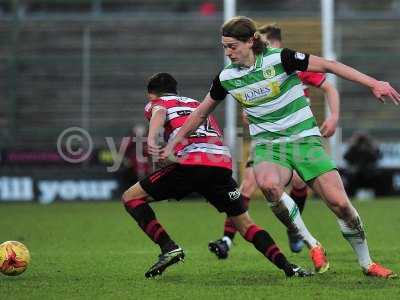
[(328, 128), (196, 118), (380, 89)]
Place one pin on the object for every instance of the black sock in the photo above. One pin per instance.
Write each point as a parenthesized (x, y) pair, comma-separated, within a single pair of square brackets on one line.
[(266, 245), (146, 219), (229, 229)]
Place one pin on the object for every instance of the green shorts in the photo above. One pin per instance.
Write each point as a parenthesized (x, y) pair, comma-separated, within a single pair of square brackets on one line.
[(307, 156)]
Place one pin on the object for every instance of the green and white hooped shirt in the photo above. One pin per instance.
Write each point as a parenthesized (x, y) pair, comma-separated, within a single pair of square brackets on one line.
[(271, 94)]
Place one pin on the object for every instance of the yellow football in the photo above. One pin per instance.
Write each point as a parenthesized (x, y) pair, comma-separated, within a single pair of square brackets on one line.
[(14, 258)]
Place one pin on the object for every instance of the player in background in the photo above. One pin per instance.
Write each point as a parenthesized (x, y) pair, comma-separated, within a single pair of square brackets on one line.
[(201, 157), (272, 35), (265, 83)]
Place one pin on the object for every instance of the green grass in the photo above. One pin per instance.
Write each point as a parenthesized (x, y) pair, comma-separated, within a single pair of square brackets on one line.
[(95, 251)]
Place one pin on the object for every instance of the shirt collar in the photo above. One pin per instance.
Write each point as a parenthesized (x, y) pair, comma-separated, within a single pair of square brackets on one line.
[(259, 60)]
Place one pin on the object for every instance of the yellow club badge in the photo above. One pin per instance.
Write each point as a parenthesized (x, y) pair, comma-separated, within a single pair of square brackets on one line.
[(269, 72)]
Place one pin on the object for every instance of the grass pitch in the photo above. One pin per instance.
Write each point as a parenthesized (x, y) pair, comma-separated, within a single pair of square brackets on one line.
[(96, 251)]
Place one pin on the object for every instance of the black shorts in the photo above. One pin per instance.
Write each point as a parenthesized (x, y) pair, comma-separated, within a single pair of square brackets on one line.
[(213, 183)]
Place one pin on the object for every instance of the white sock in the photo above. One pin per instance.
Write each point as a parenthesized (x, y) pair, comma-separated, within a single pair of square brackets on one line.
[(354, 234), (228, 241), (288, 213)]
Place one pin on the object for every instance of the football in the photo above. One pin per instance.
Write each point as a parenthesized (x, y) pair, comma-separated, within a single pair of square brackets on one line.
[(14, 258)]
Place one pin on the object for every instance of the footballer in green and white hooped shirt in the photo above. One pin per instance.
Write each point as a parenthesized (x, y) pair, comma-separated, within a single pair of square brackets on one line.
[(262, 81), (279, 114)]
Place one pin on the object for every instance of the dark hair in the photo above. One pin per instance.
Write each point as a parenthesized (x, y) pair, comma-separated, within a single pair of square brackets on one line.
[(243, 29), (162, 83), (272, 32)]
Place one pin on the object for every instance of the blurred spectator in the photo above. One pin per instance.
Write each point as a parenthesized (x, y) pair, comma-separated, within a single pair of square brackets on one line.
[(362, 157)]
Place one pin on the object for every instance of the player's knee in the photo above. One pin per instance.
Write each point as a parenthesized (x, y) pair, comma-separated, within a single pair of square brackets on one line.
[(126, 196), (266, 184), (247, 189), (134, 192), (242, 223), (272, 189)]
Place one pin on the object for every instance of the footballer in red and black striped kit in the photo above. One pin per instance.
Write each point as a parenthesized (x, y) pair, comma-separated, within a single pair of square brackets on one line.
[(203, 165)]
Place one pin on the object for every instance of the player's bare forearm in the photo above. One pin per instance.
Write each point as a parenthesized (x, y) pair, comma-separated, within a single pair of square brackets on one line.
[(156, 124), (319, 64), (381, 89), (332, 98), (329, 126)]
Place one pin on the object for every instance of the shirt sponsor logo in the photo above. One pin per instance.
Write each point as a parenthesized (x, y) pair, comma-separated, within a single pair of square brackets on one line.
[(256, 93), (183, 113), (269, 72), (299, 56)]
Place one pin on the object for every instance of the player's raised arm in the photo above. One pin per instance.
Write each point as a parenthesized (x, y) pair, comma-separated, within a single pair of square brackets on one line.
[(380, 89), (197, 117)]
